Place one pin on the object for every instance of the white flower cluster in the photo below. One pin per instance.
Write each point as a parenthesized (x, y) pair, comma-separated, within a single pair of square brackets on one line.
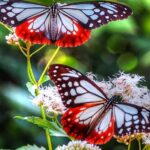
[(50, 99), (12, 39), (78, 145), (146, 139), (127, 86)]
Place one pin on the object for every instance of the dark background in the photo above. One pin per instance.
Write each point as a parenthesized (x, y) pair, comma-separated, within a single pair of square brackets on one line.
[(122, 45)]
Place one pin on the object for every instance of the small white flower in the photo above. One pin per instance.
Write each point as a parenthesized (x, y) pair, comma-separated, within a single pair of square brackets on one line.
[(12, 39), (50, 99), (128, 87), (146, 139), (91, 76), (78, 145)]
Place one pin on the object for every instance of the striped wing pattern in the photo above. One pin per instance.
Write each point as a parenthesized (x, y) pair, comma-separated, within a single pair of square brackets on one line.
[(91, 116), (65, 25)]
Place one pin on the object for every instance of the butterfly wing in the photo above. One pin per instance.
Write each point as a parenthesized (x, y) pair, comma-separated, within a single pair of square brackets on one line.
[(86, 118), (130, 119), (75, 88), (71, 33), (94, 14), (89, 122), (31, 20), (14, 13), (78, 19), (70, 25)]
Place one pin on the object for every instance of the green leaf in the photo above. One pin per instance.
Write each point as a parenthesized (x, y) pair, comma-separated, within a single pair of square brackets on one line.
[(45, 79), (54, 129), (57, 131), (31, 147), (37, 121), (31, 88)]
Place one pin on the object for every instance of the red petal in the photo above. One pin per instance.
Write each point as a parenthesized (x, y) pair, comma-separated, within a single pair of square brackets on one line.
[(73, 40), (24, 33), (80, 130)]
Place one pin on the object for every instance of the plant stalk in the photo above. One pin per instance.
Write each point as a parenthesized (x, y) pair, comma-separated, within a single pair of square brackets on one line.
[(46, 130), (48, 64)]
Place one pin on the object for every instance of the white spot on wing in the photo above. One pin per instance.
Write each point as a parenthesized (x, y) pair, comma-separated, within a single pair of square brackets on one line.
[(89, 87), (127, 124), (85, 98), (16, 10), (3, 10), (27, 5), (67, 22), (70, 84), (88, 12), (80, 90), (89, 112), (79, 15), (91, 25), (109, 6), (70, 75), (94, 17), (10, 14), (81, 6), (66, 93), (128, 117), (120, 131), (27, 13), (102, 13), (104, 123), (69, 102), (97, 10), (110, 11), (8, 8), (145, 114), (12, 22), (65, 78), (72, 92), (63, 85), (128, 109), (119, 117)]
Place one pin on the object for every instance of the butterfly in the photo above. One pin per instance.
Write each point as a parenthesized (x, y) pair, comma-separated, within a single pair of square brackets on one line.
[(65, 25), (91, 115)]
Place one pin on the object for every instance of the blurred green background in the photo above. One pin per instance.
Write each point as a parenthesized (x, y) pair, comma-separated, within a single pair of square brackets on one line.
[(121, 45)]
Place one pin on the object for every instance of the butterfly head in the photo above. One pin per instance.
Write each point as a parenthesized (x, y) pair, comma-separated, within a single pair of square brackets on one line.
[(116, 99), (54, 9)]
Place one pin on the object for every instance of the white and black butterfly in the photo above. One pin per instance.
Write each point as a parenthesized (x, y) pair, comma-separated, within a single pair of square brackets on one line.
[(66, 25), (91, 115)]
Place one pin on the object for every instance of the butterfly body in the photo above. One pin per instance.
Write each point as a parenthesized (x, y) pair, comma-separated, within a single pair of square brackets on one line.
[(91, 115), (65, 25)]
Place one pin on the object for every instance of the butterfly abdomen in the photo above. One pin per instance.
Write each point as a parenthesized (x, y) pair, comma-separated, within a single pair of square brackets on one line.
[(52, 33)]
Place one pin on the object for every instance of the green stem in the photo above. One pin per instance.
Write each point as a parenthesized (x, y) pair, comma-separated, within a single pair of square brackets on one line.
[(6, 26), (36, 51), (129, 145), (144, 148), (46, 130), (47, 66), (29, 67), (32, 79), (57, 122), (139, 144), (21, 49)]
